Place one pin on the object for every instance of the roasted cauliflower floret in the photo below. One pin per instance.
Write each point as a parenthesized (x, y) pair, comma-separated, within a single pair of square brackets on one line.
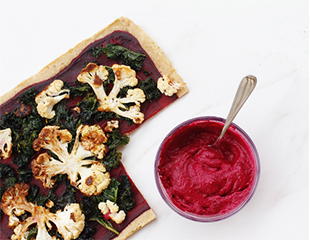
[(5, 143), (49, 97), (112, 210), (167, 86), (111, 125), (69, 222), (89, 176), (124, 76), (94, 75)]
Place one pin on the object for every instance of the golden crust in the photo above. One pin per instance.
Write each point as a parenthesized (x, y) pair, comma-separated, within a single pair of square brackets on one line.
[(136, 224), (160, 60)]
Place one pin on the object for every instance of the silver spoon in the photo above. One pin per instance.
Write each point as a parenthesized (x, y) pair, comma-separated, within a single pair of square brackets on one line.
[(245, 89)]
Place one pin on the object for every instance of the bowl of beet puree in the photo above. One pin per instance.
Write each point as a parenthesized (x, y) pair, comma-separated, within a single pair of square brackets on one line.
[(204, 183)]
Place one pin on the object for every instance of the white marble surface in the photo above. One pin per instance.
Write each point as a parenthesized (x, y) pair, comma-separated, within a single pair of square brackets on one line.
[(212, 44)]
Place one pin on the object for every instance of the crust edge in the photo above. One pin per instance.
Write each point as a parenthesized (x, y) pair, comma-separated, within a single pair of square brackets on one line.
[(136, 224)]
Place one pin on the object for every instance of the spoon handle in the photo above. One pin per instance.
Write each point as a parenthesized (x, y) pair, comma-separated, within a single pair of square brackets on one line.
[(245, 89)]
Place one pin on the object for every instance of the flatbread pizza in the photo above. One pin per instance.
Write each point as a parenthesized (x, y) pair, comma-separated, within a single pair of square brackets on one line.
[(60, 130)]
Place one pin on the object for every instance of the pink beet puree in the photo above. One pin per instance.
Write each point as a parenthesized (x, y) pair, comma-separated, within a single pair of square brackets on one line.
[(204, 180)]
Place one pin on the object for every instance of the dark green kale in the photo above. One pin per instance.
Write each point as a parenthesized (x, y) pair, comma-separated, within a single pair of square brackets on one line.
[(117, 192), (69, 196), (87, 233), (10, 120), (120, 193), (91, 211), (33, 231), (25, 129), (146, 73), (35, 197), (89, 113), (78, 89), (117, 139), (88, 109), (64, 118), (24, 175), (8, 173), (116, 52), (28, 132), (28, 97), (96, 51), (11, 177), (30, 129), (149, 87), (113, 157), (110, 193), (125, 200)]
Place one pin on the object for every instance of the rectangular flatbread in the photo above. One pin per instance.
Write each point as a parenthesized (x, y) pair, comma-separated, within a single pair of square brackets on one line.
[(68, 66)]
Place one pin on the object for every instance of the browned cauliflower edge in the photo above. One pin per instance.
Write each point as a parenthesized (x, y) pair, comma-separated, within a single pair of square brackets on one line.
[(49, 97), (89, 176), (95, 75), (69, 222), (5, 143), (167, 86)]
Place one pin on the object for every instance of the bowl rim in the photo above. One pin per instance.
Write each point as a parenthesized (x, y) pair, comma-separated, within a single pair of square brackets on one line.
[(207, 218)]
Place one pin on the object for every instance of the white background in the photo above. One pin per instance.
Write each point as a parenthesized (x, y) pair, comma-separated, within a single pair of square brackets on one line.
[(212, 44)]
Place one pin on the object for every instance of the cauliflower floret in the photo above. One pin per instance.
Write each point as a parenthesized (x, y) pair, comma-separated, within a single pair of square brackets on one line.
[(5, 143), (69, 222), (92, 139), (124, 76), (167, 86), (89, 176), (118, 217), (49, 97), (111, 125), (94, 75), (112, 210)]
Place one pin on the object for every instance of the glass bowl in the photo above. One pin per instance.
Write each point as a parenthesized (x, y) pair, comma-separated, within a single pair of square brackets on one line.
[(171, 171)]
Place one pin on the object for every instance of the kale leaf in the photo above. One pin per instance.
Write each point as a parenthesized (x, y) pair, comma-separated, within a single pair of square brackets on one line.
[(78, 89), (117, 192), (24, 129), (29, 97), (110, 193), (7, 172), (116, 52), (125, 199), (149, 87), (91, 211), (113, 157)]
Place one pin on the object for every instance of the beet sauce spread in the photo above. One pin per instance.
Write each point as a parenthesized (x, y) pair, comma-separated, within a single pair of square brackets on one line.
[(205, 180)]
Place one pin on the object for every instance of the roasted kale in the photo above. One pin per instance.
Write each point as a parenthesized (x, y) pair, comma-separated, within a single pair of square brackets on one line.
[(35, 197), (11, 177), (116, 52), (8, 173), (125, 200), (67, 197), (92, 213), (28, 97), (149, 87), (117, 192), (24, 129), (78, 89), (113, 157)]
